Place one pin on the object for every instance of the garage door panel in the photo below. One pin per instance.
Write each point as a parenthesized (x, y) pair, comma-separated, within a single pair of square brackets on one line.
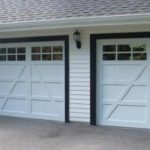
[(25, 73), (11, 69), (19, 89), (39, 89), (119, 72), (47, 96), (56, 89), (124, 72), (16, 105), (46, 108), (111, 92), (5, 87), (48, 89), (123, 86), (133, 95), (47, 71), (106, 107), (128, 113), (34, 86), (144, 76), (43, 107), (2, 101)]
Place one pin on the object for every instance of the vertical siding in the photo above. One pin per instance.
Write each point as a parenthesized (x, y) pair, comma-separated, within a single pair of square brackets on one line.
[(80, 81)]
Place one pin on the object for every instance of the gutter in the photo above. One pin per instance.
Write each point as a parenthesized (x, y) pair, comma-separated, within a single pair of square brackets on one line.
[(76, 22)]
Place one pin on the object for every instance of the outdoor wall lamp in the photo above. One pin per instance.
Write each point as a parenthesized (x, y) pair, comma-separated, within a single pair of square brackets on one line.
[(77, 39)]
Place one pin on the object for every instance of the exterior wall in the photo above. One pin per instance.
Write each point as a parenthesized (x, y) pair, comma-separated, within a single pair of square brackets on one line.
[(80, 81), (79, 63), (79, 72)]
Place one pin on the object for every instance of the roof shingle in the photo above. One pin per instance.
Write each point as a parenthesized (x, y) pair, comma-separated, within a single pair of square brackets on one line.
[(36, 10)]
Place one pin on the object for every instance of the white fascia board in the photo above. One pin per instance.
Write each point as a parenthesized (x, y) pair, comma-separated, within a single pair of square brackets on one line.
[(77, 22)]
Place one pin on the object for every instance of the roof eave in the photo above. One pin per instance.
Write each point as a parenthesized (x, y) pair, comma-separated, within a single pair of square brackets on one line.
[(76, 22)]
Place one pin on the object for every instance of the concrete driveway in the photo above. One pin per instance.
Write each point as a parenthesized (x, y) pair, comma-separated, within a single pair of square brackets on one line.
[(26, 134)]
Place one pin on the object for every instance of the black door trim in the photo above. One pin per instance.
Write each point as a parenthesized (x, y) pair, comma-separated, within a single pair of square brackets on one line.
[(64, 38), (93, 39)]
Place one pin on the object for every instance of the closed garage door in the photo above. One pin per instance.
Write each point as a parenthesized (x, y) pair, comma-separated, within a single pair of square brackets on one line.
[(123, 83), (32, 80)]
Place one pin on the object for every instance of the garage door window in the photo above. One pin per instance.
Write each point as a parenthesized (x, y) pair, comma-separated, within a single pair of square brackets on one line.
[(13, 54), (124, 52), (47, 53)]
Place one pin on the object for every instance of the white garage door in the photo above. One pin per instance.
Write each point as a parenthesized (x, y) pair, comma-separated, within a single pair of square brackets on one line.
[(123, 82), (32, 80)]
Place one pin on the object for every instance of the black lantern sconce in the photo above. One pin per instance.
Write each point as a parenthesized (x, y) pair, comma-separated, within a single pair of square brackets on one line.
[(77, 39)]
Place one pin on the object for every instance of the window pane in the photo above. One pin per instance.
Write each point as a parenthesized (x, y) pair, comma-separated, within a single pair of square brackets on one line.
[(46, 49), (21, 57), (35, 49), (139, 56), (11, 57), (21, 50), (139, 49), (46, 57), (57, 49), (109, 56), (36, 57), (2, 50), (124, 48), (57, 57), (11, 50), (109, 48), (3, 58), (124, 56)]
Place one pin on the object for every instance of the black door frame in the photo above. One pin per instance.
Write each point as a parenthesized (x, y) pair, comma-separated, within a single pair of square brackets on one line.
[(64, 38), (93, 63)]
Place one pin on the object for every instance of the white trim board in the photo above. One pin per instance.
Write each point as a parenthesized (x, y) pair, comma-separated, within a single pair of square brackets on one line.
[(76, 22)]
